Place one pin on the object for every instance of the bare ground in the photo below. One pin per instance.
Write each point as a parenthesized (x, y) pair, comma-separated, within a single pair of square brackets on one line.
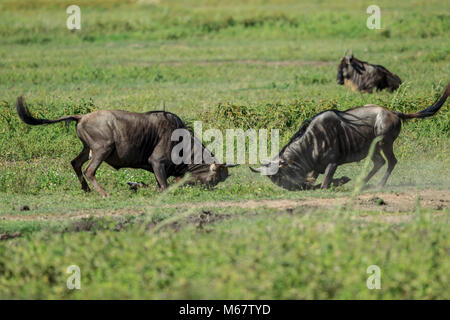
[(383, 202)]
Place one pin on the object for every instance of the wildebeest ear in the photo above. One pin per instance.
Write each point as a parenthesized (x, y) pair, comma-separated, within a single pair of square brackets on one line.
[(213, 167)]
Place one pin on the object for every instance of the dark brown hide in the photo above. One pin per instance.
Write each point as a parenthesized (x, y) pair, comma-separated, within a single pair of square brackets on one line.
[(333, 137), (131, 140), (365, 77)]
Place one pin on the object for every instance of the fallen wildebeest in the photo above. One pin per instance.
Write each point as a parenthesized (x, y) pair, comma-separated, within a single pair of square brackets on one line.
[(333, 137), (132, 140), (363, 76)]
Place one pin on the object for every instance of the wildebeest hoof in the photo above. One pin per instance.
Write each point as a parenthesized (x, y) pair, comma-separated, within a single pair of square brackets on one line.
[(136, 185), (341, 181)]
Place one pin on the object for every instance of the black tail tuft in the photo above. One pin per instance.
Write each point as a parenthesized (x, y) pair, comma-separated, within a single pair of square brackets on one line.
[(430, 111), (26, 116)]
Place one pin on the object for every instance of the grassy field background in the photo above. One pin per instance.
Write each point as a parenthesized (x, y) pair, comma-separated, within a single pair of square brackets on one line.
[(253, 64)]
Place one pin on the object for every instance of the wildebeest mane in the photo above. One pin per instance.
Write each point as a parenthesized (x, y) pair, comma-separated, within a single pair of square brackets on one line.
[(305, 125), (179, 124), (173, 118), (359, 65)]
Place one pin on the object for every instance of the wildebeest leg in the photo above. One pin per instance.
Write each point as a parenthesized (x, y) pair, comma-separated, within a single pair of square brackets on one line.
[(378, 162), (97, 158), (160, 173), (328, 176), (77, 164), (392, 161), (158, 164)]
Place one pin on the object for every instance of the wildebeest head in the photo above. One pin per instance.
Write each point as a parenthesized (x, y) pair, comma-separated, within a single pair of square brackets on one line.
[(287, 170), (286, 175), (209, 175), (348, 65), (202, 166)]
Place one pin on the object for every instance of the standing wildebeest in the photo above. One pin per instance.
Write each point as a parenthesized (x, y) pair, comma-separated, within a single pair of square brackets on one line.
[(363, 76), (332, 138), (132, 140)]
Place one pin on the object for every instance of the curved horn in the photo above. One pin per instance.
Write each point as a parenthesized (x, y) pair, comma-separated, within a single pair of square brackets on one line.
[(257, 170), (351, 52), (231, 165), (266, 163)]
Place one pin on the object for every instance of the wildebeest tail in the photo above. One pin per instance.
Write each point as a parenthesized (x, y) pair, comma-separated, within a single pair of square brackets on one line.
[(26, 116), (431, 110)]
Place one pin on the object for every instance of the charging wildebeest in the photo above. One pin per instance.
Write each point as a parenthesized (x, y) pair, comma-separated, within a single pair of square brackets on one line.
[(132, 140), (363, 76), (333, 137)]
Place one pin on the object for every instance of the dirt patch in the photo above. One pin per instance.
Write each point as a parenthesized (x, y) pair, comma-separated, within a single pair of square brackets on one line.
[(390, 202), (402, 201), (385, 202), (84, 224), (93, 223), (201, 221), (377, 201), (6, 236)]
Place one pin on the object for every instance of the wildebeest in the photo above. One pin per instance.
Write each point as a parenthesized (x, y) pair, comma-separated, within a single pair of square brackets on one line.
[(131, 140), (332, 138), (363, 76)]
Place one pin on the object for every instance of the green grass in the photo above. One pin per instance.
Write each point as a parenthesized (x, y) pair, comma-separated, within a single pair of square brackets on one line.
[(258, 64), (267, 254)]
